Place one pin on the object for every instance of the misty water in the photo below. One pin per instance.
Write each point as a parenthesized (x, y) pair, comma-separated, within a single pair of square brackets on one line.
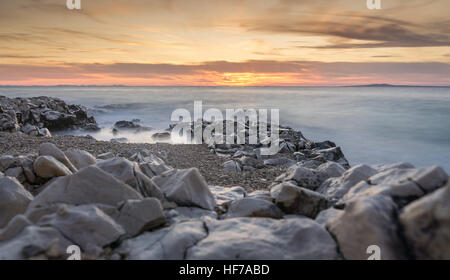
[(372, 124)]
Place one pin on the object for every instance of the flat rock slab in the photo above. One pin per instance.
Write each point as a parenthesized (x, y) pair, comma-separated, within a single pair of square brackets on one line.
[(264, 239)]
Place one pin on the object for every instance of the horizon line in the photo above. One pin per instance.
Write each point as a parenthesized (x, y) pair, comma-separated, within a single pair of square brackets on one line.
[(236, 86)]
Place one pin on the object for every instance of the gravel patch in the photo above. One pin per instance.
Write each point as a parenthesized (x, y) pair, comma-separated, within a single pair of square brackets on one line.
[(177, 156)]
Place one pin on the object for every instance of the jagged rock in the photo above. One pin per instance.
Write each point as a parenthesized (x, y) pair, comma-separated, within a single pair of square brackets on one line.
[(402, 192), (251, 161), (42, 112), (287, 147), (232, 166), (89, 185), (14, 199), (147, 188), (292, 199), (304, 177), (48, 167), (105, 156), (164, 244), (121, 168), (32, 241), (140, 152), (335, 188), (129, 173), (186, 187), (85, 225), (428, 179), (264, 239), (137, 216), (252, 207), (79, 158), (426, 225), (225, 195), (49, 149), (279, 162), (152, 166), (311, 178), (365, 222), (334, 154)]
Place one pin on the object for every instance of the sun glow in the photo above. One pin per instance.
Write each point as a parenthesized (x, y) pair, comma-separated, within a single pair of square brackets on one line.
[(251, 79)]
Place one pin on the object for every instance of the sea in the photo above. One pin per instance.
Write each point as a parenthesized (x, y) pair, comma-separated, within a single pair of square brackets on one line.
[(372, 124)]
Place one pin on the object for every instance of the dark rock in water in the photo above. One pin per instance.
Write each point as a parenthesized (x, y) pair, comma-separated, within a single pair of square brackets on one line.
[(91, 127), (129, 125), (161, 135), (42, 112), (126, 125)]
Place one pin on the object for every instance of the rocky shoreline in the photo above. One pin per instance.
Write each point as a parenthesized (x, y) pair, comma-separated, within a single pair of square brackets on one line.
[(161, 201)]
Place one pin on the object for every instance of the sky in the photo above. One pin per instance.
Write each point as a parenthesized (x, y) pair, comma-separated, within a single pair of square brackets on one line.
[(224, 43)]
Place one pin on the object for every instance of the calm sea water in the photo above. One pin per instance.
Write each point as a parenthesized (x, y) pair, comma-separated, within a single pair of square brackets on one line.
[(372, 124)]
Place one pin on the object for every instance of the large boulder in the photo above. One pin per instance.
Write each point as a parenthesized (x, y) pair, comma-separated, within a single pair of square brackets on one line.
[(164, 244), (137, 216), (426, 225), (49, 167), (365, 222), (186, 187), (264, 239), (89, 185), (49, 149), (292, 199), (85, 225), (252, 207), (121, 168), (32, 241), (153, 166), (428, 179), (311, 178), (79, 158), (335, 188), (129, 173), (14, 199), (402, 193)]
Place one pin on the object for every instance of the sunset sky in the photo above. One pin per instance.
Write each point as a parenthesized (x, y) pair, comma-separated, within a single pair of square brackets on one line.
[(224, 43)]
